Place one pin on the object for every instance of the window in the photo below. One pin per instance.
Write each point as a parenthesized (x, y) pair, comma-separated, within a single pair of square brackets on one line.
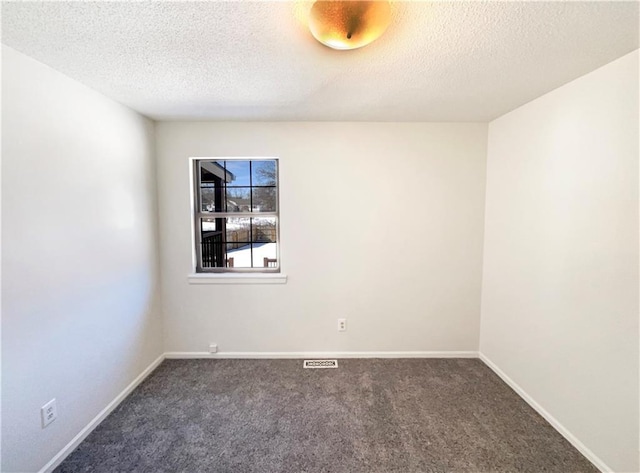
[(236, 215)]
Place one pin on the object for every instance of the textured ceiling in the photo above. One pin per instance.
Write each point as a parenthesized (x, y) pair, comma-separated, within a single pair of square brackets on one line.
[(438, 61)]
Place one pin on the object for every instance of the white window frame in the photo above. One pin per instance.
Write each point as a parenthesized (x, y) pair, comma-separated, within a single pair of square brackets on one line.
[(226, 275)]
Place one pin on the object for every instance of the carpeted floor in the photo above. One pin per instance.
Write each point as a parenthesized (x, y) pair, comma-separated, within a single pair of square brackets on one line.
[(367, 416)]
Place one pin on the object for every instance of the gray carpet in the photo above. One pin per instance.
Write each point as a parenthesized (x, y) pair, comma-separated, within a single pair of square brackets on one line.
[(367, 416)]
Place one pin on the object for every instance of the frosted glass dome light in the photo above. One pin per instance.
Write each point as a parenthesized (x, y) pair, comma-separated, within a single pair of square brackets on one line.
[(349, 24)]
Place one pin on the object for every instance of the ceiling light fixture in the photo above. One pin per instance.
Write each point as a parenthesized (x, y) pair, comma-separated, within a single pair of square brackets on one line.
[(348, 24)]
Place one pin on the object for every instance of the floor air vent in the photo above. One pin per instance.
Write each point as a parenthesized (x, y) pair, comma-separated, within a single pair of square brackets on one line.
[(320, 364)]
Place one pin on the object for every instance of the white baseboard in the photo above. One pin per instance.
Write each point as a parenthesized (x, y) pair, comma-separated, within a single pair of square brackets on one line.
[(71, 446), (323, 354), (573, 440)]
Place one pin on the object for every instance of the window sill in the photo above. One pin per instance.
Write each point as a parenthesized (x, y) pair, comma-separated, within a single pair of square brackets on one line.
[(237, 278)]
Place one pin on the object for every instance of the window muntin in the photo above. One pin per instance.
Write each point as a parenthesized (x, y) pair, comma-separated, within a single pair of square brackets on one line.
[(236, 219)]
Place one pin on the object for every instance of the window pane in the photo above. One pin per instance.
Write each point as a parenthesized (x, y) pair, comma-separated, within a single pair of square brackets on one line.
[(263, 173), (211, 184), (214, 255), (240, 257), (208, 254), (264, 199), (240, 171), (207, 198), (212, 251), (208, 225), (265, 255), (238, 232), (264, 229), (239, 199)]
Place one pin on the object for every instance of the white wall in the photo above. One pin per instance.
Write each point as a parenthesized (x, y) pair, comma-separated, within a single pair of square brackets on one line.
[(381, 223), (79, 306), (560, 282)]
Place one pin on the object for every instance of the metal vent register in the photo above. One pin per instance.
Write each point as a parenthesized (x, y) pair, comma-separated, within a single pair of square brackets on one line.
[(320, 364)]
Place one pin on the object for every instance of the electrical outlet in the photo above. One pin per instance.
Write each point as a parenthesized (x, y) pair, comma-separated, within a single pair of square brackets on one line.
[(49, 412), (342, 325), (213, 348)]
